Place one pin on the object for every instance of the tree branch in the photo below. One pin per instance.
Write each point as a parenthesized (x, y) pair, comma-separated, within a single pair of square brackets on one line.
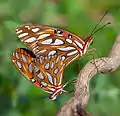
[(75, 105)]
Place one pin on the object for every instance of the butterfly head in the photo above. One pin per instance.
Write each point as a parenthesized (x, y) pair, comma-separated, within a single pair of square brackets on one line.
[(89, 40)]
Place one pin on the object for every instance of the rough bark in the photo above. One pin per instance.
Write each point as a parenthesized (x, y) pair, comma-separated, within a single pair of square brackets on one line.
[(76, 105)]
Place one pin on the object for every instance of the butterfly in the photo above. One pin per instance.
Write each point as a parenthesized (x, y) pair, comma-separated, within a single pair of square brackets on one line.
[(44, 72), (52, 49), (46, 41)]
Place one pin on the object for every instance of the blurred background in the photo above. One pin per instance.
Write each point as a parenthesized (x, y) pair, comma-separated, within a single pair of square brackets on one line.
[(18, 97)]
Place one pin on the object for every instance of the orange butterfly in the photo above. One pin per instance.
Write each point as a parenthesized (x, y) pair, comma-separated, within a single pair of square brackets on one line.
[(52, 50), (46, 41)]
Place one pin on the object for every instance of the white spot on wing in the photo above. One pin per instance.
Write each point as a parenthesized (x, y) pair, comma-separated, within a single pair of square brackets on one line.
[(36, 69), (32, 39), (19, 64), (40, 75), (35, 29), (20, 31), (43, 83), (42, 51), (30, 67), (22, 35), (24, 59), (56, 71), (55, 81), (51, 53), (47, 66), (66, 49), (33, 80), (72, 53), (48, 41), (58, 42), (57, 59), (52, 64), (58, 32), (43, 36), (49, 77), (40, 60), (68, 40), (17, 55), (63, 58), (79, 44)]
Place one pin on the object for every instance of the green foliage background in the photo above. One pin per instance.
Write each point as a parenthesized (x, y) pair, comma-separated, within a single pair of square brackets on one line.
[(18, 97)]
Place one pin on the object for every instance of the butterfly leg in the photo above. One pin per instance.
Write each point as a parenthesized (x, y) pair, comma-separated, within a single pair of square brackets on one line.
[(68, 92), (79, 59), (71, 81), (88, 51), (79, 63), (94, 49)]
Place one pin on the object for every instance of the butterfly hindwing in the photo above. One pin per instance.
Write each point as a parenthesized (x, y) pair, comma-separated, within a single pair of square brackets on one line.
[(44, 72), (23, 60)]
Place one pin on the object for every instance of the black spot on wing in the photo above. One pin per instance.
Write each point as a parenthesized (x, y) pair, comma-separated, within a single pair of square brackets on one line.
[(69, 35), (29, 52)]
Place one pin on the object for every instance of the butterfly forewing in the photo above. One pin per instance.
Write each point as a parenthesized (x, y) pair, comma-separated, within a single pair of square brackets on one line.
[(48, 41)]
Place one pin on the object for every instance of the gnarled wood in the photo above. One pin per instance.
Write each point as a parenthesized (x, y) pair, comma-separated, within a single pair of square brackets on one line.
[(75, 105)]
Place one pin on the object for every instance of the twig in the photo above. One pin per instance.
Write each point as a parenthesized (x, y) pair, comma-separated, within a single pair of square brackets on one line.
[(75, 105)]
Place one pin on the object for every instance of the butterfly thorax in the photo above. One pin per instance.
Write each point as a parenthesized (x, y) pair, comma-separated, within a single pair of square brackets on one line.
[(87, 41)]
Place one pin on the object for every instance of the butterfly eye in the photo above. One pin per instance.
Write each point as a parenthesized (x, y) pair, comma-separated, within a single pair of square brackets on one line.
[(70, 36)]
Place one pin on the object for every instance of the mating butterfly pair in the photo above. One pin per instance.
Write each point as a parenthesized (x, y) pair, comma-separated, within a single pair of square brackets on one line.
[(52, 49)]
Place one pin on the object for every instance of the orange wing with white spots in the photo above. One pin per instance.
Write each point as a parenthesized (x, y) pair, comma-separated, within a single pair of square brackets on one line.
[(44, 72), (48, 41), (24, 59)]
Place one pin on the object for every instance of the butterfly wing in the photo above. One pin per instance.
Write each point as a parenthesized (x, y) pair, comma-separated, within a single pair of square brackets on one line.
[(45, 72), (50, 72), (48, 41), (23, 59)]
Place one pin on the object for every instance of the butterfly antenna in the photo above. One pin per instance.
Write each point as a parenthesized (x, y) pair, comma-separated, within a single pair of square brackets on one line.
[(98, 22), (101, 28)]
